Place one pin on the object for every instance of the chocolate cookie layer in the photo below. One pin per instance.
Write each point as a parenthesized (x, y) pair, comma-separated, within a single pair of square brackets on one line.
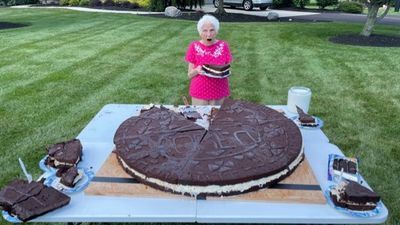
[(347, 166), (247, 146), (69, 177), (304, 117), (30, 200), (64, 154)]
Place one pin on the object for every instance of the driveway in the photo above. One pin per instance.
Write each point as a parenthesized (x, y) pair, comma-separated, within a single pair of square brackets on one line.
[(257, 12), (312, 16), (325, 16)]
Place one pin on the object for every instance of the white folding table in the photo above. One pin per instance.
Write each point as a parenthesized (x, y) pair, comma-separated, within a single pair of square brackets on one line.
[(97, 141)]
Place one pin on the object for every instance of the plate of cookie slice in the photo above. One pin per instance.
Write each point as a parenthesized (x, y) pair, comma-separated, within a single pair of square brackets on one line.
[(72, 180), (354, 199), (317, 124), (306, 121), (343, 167)]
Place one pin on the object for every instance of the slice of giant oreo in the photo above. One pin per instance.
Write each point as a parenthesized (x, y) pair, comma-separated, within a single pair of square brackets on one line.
[(216, 71)]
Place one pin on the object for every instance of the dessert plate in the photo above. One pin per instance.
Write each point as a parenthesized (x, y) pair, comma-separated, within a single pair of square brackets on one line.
[(355, 213), (9, 218), (84, 180), (319, 122), (45, 168)]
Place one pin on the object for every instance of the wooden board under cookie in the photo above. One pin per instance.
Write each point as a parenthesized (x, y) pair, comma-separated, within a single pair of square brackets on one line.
[(300, 186)]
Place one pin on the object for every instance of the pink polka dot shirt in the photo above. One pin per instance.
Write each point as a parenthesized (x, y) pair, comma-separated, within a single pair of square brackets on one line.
[(203, 87)]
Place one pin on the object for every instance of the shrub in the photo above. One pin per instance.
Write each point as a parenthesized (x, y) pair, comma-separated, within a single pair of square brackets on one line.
[(63, 2), (157, 5), (130, 5), (18, 2), (126, 4), (351, 7), (281, 3), (25, 2), (84, 2), (108, 3), (324, 3), (181, 4), (141, 3), (73, 2), (118, 3), (301, 3), (94, 3)]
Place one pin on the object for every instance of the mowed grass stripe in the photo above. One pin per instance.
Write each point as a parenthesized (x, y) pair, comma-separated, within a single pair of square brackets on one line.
[(144, 70), (56, 25), (52, 39), (245, 74), (31, 14), (68, 39), (94, 57), (58, 58), (43, 88), (28, 89), (59, 110), (47, 28)]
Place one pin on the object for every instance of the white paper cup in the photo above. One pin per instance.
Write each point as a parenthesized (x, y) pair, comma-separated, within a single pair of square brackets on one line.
[(300, 96)]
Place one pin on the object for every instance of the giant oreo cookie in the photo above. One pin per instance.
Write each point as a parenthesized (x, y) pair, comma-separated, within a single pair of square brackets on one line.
[(246, 147)]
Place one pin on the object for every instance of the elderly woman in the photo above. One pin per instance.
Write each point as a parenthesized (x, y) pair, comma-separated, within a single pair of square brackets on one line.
[(208, 50)]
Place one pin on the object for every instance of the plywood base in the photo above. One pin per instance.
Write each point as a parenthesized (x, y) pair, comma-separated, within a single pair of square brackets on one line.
[(300, 186)]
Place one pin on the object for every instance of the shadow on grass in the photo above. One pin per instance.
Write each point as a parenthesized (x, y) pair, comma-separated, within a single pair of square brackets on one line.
[(7, 25)]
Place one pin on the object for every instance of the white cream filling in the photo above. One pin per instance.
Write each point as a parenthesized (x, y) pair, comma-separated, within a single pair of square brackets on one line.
[(219, 189), (57, 163), (345, 175), (361, 204), (216, 71), (78, 177)]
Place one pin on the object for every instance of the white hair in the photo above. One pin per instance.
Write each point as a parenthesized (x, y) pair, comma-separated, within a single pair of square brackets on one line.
[(208, 19)]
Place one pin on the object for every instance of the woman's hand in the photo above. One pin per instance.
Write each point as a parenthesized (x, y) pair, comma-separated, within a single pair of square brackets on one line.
[(199, 70), (193, 71)]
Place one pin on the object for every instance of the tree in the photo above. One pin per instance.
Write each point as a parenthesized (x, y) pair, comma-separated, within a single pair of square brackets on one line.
[(220, 9), (372, 16), (4, 2)]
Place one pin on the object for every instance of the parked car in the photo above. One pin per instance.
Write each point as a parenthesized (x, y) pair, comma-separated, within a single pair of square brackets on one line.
[(246, 4)]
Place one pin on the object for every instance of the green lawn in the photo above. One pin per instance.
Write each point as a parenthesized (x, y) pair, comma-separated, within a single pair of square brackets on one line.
[(391, 12), (58, 72)]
